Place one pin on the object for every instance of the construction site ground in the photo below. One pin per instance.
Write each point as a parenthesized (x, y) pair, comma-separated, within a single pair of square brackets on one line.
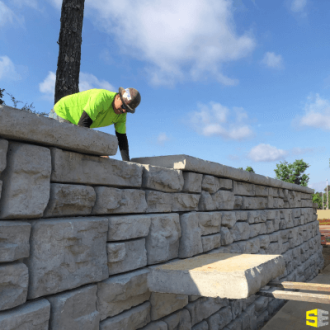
[(292, 316)]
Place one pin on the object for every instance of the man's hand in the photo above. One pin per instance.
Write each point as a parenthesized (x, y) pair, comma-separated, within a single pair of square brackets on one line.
[(104, 156)]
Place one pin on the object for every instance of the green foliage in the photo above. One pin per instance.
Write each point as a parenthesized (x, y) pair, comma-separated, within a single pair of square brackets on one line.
[(1, 96), (248, 169), (293, 173), (317, 198)]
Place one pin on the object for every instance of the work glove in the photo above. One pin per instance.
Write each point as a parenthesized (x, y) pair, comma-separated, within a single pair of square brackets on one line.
[(124, 155)]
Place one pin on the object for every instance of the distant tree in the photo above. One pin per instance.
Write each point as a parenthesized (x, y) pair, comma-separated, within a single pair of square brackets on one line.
[(293, 173), (317, 198), (1, 96), (68, 63), (248, 169)]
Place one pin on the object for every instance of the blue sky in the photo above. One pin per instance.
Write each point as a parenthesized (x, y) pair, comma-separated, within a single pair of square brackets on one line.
[(242, 83)]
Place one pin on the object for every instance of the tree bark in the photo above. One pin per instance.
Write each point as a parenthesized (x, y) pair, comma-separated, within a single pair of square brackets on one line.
[(68, 63)]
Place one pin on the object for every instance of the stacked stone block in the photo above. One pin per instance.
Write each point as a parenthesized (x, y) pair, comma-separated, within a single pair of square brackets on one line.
[(78, 234)]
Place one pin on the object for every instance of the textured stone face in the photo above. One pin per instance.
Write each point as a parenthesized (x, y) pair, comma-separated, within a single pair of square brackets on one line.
[(163, 304), (184, 202), (162, 242), (206, 202), (33, 315), (128, 226), (244, 189), (163, 179), (204, 307), (210, 242), (209, 222), (158, 201), (14, 240), (226, 236), (68, 199), (26, 182), (224, 200), (228, 219), (113, 200), (126, 256), (210, 184), (179, 320), (3, 154), (201, 326), (14, 280), (119, 293), (75, 310), (132, 319), (263, 191), (192, 182), (190, 241), (71, 167), (158, 325), (66, 253), (220, 319), (241, 231)]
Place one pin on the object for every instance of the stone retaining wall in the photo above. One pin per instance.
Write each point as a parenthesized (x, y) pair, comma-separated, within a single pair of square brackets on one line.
[(78, 232)]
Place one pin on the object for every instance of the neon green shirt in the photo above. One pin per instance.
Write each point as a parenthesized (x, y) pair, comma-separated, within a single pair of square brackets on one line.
[(97, 103)]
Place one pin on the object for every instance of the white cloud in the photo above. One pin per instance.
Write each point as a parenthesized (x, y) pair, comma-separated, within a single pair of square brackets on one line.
[(317, 113), (8, 16), (8, 69), (178, 39), (298, 5), (89, 81), (162, 138), (86, 81), (266, 153), (272, 60), (217, 120)]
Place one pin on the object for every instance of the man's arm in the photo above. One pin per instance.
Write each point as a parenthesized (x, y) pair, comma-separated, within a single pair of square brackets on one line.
[(123, 146), (85, 120)]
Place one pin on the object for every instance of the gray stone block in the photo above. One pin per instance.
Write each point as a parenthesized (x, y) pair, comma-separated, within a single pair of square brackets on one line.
[(71, 167), (270, 226), (209, 222), (226, 236), (220, 319), (66, 253), (14, 240), (33, 315), (163, 179), (119, 293), (253, 245), (192, 182), (190, 241), (264, 241), (158, 325), (132, 319), (69, 199), (204, 307), (241, 215), (179, 320), (201, 326), (206, 202), (211, 242), (0, 188), (162, 242), (3, 154), (254, 203), (163, 304), (113, 200), (125, 227), (244, 189), (126, 256), (228, 219), (262, 191), (75, 310), (224, 200), (14, 280), (210, 184), (225, 184), (184, 202), (241, 231), (26, 181), (257, 216), (158, 202), (24, 126)]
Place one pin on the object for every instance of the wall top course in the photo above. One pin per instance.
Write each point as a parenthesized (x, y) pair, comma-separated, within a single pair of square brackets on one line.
[(193, 164), (21, 125)]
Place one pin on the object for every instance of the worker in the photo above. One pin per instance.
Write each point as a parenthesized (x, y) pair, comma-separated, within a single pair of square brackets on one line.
[(98, 108)]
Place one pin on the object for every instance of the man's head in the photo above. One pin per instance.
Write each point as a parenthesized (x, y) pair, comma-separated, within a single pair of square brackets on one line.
[(126, 100)]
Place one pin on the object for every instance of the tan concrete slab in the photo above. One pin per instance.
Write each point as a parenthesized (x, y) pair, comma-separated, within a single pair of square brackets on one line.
[(193, 164), (224, 275), (292, 316)]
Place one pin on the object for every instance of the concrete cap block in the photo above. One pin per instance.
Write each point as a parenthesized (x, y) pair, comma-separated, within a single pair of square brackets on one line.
[(3, 154), (24, 126), (224, 275)]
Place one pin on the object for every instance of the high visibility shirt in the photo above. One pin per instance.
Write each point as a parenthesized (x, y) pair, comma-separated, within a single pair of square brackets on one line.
[(97, 103)]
